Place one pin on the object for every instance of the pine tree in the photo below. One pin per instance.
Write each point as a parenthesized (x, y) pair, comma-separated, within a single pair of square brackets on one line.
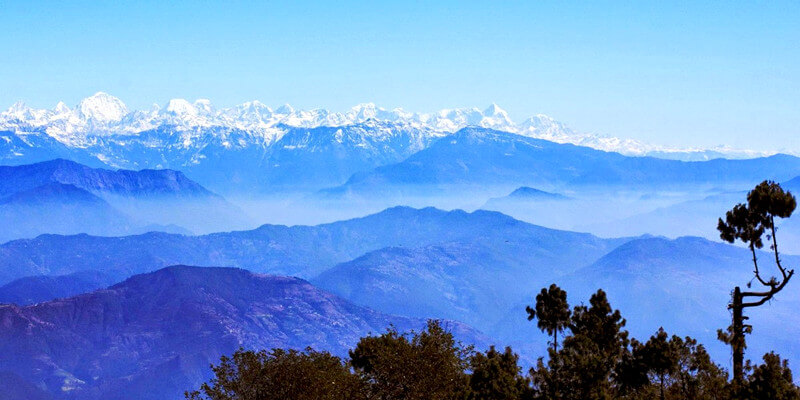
[(748, 223), (552, 312), (772, 380), (661, 358), (426, 365), (496, 376)]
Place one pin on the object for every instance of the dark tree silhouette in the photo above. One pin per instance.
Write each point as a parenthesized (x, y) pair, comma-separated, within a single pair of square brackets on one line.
[(631, 374), (426, 365), (496, 376), (661, 358), (697, 376), (281, 374), (552, 312), (583, 368), (748, 223), (772, 380)]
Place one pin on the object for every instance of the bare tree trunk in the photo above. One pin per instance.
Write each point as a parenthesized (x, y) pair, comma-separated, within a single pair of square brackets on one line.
[(737, 342), (555, 341)]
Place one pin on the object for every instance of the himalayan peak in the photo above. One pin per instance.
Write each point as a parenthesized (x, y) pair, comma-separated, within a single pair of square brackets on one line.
[(104, 114)]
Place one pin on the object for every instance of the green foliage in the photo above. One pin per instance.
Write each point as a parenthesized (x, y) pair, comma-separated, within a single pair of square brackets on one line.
[(279, 375), (596, 362), (552, 311), (748, 222), (425, 365), (660, 356), (678, 368), (772, 380), (582, 369), (601, 324), (497, 376), (631, 376), (696, 376)]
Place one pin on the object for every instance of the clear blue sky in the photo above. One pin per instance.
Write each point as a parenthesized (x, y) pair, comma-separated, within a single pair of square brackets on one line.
[(678, 74)]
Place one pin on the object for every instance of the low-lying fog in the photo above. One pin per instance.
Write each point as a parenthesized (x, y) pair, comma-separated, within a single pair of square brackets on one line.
[(616, 212)]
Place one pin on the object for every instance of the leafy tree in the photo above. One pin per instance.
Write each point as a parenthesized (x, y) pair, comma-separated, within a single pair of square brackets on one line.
[(632, 373), (583, 367), (670, 368), (280, 374), (697, 377), (552, 311), (772, 380), (496, 376), (425, 365), (660, 357), (601, 324), (748, 223)]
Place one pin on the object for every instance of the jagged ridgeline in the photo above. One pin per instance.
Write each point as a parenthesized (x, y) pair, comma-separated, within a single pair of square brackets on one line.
[(65, 197), (103, 207), (252, 147)]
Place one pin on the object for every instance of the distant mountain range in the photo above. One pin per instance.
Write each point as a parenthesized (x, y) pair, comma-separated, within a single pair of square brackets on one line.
[(303, 251), (480, 268), (41, 288), (59, 208), (695, 217), (529, 193), (153, 336), (103, 114), (683, 285), (524, 198), (65, 197), (474, 279), (252, 147), (480, 158)]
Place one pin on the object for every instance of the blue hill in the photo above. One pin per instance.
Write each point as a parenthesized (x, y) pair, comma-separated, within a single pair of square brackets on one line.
[(302, 251), (484, 157), (153, 336)]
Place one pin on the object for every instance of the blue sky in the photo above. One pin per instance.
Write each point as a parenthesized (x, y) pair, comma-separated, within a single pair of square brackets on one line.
[(676, 74)]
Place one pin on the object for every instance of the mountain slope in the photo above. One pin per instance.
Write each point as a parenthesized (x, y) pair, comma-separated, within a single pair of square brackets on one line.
[(302, 251), (298, 159), (80, 199), (100, 181), (50, 192), (696, 217), (523, 198), (37, 289), (103, 115), (528, 193), (254, 148), (59, 208), (473, 281), (483, 157), (153, 336), (684, 285)]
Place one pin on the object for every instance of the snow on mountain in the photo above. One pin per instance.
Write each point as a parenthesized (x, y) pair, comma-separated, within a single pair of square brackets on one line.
[(101, 108), (102, 115)]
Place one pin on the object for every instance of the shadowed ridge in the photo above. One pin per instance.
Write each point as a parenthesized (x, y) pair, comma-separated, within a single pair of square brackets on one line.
[(656, 253), (162, 329), (53, 192), (482, 157), (303, 251), (98, 180), (37, 289)]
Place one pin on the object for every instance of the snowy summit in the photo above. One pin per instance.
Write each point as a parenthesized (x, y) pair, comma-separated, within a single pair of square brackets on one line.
[(103, 114)]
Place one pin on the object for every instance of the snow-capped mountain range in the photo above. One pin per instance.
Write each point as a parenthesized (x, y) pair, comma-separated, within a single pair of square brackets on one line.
[(103, 115)]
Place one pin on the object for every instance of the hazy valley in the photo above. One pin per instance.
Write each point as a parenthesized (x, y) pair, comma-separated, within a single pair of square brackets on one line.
[(141, 246)]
